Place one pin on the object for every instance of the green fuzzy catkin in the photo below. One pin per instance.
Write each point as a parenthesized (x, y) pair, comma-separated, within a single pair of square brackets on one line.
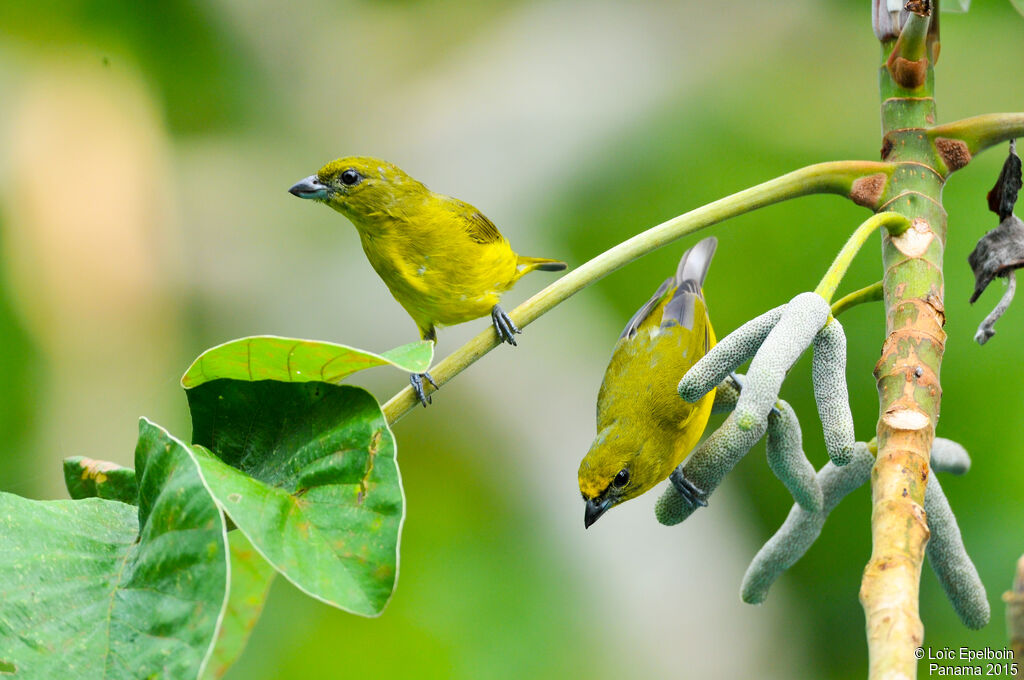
[(707, 466), (797, 324), (720, 452), (950, 562), (828, 373), (786, 456), (787, 459), (726, 396), (801, 527), (671, 508), (728, 355), (800, 322), (948, 456), (946, 552)]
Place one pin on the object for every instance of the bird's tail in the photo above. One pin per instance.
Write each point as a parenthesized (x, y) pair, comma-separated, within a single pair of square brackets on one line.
[(682, 290), (694, 264), (689, 281), (525, 265)]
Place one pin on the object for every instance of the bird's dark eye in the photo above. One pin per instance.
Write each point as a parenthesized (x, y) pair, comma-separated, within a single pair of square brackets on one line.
[(621, 479), (350, 177)]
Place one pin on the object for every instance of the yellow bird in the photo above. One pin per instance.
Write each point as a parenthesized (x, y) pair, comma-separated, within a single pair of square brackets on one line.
[(440, 257), (644, 429)]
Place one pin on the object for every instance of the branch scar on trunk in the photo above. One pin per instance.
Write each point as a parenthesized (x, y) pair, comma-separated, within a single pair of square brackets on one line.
[(914, 242)]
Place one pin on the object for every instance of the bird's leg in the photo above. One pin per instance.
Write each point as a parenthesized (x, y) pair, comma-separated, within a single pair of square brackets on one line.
[(686, 489), (417, 385), (504, 326)]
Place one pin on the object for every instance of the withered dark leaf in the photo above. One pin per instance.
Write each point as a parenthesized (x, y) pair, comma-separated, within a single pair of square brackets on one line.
[(997, 252), (987, 328), (1004, 194)]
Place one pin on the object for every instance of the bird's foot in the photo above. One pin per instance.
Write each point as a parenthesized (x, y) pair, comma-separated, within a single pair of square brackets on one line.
[(417, 385), (503, 325), (690, 493)]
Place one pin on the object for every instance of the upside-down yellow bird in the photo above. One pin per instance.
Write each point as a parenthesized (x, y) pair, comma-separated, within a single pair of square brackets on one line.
[(644, 428), (440, 257)]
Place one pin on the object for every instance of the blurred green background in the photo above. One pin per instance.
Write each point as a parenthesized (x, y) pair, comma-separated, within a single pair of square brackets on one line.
[(145, 155)]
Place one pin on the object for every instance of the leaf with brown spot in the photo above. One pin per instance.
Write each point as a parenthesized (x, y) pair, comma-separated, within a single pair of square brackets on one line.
[(96, 588), (309, 464), (88, 478)]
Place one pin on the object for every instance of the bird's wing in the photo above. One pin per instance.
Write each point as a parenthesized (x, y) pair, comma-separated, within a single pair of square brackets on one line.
[(481, 229), (683, 288), (645, 311), (478, 228)]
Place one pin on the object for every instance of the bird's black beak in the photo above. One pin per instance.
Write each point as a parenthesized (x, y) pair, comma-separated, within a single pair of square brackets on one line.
[(595, 508), (309, 188)]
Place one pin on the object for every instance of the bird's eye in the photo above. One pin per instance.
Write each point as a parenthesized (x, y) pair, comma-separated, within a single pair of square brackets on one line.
[(621, 479), (350, 177)]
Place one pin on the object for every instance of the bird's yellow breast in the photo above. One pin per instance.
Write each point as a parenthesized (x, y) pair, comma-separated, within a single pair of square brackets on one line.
[(432, 266), (639, 402)]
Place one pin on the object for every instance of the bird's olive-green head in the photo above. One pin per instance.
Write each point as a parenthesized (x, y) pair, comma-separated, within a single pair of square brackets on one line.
[(360, 187), (616, 469)]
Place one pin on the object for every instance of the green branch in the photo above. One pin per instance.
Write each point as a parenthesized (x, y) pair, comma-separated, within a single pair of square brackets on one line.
[(872, 293), (981, 132), (895, 223), (911, 43), (838, 177), (908, 62)]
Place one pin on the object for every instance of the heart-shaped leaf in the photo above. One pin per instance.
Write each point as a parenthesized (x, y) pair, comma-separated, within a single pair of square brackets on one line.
[(307, 472), (251, 576), (97, 588), (88, 478), (268, 357)]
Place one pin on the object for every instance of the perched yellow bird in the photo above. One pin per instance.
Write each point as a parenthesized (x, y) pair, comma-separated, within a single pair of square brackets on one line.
[(644, 429), (440, 257)]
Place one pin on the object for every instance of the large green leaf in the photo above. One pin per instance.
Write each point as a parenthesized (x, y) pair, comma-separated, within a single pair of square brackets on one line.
[(88, 478), (268, 357), (251, 577), (307, 471), (97, 588)]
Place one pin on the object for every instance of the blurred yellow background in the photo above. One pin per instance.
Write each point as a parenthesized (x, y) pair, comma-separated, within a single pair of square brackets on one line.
[(145, 155)]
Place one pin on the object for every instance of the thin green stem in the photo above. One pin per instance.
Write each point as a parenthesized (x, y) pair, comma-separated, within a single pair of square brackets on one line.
[(836, 177), (895, 223), (911, 43), (872, 293), (982, 132)]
